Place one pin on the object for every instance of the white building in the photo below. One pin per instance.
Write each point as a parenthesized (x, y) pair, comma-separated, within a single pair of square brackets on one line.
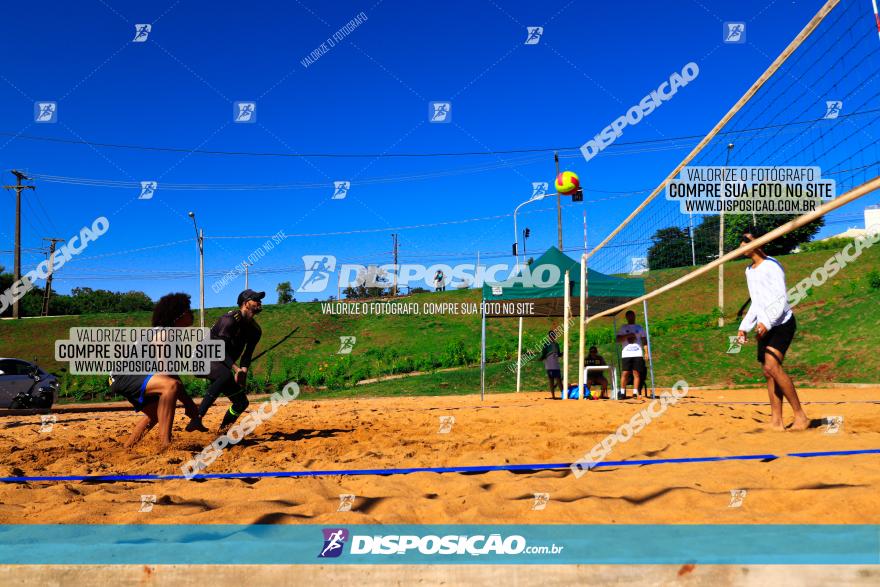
[(872, 218)]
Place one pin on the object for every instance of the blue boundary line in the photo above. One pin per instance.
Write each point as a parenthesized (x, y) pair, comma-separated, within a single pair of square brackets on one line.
[(407, 471), (763, 403)]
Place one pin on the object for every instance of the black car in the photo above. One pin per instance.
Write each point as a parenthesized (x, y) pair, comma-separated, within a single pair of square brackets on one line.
[(24, 385)]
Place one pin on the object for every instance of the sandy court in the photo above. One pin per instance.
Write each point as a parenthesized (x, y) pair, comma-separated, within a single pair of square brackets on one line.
[(524, 428)]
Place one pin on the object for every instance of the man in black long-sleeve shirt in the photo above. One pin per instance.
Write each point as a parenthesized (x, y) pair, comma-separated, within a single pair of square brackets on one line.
[(240, 332)]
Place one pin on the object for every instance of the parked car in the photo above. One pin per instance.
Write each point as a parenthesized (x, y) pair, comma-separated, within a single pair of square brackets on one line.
[(24, 385)]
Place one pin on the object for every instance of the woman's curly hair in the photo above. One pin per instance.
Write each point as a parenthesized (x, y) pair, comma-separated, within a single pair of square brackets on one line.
[(169, 308)]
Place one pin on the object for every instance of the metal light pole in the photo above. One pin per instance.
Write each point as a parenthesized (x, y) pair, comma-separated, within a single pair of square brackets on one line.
[(534, 198), (515, 231), (200, 239)]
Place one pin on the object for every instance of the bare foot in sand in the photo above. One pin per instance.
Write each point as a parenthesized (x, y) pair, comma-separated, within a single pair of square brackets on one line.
[(801, 423), (777, 426)]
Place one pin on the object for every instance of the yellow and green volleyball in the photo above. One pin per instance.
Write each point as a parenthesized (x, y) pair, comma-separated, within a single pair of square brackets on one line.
[(567, 182)]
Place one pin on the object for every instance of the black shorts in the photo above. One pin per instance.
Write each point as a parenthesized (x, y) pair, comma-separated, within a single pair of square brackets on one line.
[(133, 388), (633, 364), (779, 337), (554, 373)]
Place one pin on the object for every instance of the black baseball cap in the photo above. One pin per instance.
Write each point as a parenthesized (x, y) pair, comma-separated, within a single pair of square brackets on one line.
[(250, 294)]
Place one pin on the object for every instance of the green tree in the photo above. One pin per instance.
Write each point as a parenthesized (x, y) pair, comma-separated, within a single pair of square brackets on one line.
[(671, 248), (371, 283), (672, 245), (285, 292), (736, 224), (706, 239)]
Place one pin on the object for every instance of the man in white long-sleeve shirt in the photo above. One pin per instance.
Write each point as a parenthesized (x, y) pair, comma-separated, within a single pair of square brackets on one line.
[(774, 323)]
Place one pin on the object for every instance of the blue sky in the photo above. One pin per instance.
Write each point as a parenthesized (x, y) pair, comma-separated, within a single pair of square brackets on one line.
[(368, 94)]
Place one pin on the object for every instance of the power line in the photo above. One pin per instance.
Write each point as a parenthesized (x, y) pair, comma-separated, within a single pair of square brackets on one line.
[(418, 226), (132, 185), (137, 274), (125, 252), (410, 155)]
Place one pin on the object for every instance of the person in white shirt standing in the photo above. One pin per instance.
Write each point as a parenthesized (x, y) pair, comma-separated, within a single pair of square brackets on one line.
[(774, 323), (633, 338)]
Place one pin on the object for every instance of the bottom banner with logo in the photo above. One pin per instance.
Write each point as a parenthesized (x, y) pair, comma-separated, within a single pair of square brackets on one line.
[(439, 544)]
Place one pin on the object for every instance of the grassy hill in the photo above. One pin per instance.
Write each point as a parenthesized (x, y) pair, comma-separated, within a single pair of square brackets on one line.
[(837, 338)]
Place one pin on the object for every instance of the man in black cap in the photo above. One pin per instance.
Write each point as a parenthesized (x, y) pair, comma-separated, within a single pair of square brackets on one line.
[(239, 331)]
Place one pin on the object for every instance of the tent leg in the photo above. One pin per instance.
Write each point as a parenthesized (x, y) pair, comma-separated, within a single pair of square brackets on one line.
[(616, 355), (650, 354), (566, 311), (519, 356), (483, 350), (582, 318)]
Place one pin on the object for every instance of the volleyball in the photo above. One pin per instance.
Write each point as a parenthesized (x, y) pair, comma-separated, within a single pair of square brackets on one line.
[(567, 182)]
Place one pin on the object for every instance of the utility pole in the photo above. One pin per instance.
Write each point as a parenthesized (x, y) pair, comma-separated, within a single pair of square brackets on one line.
[(17, 263), (200, 240), (394, 249), (721, 250), (558, 205), (246, 283), (48, 293)]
